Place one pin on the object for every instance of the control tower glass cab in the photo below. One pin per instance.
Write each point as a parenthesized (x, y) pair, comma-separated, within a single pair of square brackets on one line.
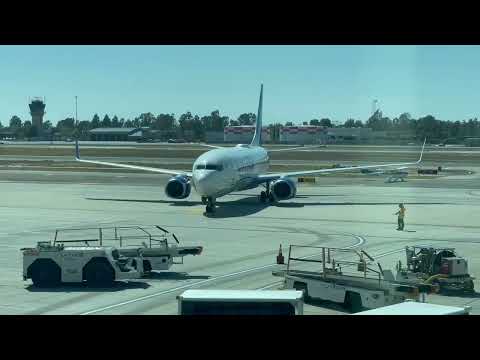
[(37, 110)]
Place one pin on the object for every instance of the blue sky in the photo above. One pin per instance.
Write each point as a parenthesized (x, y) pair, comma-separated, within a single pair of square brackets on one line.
[(300, 82)]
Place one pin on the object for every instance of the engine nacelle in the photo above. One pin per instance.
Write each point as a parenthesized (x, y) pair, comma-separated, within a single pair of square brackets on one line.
[(283, 188), (178, 187)]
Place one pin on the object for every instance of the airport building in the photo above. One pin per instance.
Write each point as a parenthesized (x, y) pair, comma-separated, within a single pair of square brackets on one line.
[(7, 134), (472, 142), (243, 134), (214, 136), (302, 135), (117, 134), (355, 135)]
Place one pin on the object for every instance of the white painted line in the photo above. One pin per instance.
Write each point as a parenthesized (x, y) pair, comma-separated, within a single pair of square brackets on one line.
[(360, 239), (271, 285)]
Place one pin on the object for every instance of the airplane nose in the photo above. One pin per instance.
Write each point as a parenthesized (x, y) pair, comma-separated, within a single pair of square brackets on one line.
[(203, 183)]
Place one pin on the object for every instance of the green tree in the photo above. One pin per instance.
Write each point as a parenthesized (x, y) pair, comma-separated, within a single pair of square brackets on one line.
[(198, 129), (349, 123), (29, 131), (82, 129), (315, 122), (326, 122), (247, 119), (121, 123), (106, 122), (289, 123), (1, 126), (164, 122), (15, 122), (146, 119), (405, 122), (185, 122), (47, 125), (358, 123), (95, 122), (234, 122), (115, 122), (128, 123)]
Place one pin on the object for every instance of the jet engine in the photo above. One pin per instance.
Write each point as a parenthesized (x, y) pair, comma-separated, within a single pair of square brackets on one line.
[(283, 188), (178, 187)]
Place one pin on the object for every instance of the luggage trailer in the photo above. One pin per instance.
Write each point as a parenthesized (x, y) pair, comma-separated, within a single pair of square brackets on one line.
[(367, 285)]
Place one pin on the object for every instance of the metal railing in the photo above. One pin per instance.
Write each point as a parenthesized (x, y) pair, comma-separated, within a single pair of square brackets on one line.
[(122, 239), (327, 258)]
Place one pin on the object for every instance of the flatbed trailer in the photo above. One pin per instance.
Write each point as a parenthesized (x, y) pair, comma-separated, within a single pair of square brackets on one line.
[(417, 308), (151, 242), (368, 286)]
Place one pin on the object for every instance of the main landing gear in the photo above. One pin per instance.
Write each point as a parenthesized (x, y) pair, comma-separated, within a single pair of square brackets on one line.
[(267, 195), (210, 205)]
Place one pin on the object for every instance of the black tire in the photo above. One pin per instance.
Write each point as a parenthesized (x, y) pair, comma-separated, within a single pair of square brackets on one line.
[(353, 302), (46, 274), (210, 209), (99, 273), (147, 266), (263, 197)]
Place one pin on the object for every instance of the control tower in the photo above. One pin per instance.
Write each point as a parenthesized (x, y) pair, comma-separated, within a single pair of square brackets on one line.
[(37, 110)]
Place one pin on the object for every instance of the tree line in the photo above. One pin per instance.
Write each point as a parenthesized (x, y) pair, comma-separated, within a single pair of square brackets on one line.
[(427, 126)]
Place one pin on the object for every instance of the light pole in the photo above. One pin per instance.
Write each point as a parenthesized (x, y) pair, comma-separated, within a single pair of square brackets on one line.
[(76, 114)]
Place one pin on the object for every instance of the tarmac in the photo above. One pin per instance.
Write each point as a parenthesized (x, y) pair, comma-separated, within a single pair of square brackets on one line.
[(240, 242)]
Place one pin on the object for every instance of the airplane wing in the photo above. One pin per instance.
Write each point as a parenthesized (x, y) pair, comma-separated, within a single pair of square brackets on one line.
[(207, 145), (126, 166), (269, 177), (297, 148)]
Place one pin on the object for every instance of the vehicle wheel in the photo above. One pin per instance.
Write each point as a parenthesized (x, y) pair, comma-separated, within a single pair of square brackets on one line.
[(147, 267), (99, 273), (204, 200), (46, 275), (469, 287), (263, 197), (353, 302)]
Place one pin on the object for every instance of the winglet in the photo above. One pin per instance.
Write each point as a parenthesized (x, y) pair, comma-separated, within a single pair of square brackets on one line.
[(421, 154), (77, 151), (257, 138)]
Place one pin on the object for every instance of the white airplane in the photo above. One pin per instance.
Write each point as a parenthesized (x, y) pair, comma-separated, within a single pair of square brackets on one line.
[(223, 170)]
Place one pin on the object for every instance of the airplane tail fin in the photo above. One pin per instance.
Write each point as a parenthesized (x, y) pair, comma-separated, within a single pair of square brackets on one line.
[(257, 138), (421, 154)]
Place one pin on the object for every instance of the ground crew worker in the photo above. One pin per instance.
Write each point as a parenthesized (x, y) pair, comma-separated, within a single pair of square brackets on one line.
[(401, 216)]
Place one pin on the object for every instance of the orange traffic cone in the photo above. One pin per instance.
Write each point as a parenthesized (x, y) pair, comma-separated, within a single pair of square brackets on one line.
[(280, 258)]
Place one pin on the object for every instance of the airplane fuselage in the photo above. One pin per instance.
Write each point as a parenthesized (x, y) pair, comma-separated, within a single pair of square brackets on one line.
[(221, 171)]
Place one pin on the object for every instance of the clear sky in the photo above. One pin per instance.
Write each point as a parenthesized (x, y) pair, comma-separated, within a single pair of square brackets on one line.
[(300, 82)]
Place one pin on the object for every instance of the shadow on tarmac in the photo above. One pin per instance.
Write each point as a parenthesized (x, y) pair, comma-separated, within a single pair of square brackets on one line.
[(250, 205), (175, 276), (84, 287)]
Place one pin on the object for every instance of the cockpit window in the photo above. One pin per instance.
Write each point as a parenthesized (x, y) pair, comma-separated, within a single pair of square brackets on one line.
[(214, 167), (209, 167)]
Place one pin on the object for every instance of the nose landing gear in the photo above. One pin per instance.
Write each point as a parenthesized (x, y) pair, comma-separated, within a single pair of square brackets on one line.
[(210, 208), (267, 195)]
